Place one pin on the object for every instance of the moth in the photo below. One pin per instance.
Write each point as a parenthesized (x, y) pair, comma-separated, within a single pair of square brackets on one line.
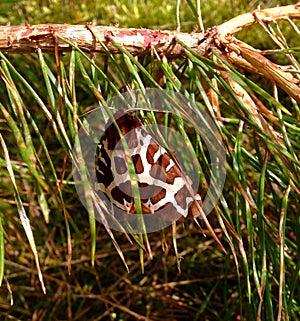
[(164, 188)]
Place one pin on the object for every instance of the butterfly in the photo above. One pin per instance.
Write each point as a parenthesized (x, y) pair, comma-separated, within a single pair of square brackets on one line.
[(164, 188)]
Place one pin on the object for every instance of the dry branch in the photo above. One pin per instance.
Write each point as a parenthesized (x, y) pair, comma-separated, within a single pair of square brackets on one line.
[(267, 15), (20, 39), (25, 39), (51, 37)]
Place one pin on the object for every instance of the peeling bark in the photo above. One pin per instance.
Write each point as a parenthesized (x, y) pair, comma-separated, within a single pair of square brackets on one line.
[(20, 39), (170, 44)]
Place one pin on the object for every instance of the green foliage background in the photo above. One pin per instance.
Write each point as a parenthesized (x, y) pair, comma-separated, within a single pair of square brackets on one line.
[(210, 286)]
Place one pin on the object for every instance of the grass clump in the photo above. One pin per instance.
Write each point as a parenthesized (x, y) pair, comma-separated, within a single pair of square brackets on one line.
[(44, 101)]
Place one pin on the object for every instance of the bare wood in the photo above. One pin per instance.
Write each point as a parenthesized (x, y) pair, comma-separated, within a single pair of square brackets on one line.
[(25, 39), (48, 37), (267, 15), (243, 55)]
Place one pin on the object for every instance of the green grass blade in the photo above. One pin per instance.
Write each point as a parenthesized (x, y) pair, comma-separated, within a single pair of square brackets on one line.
[(47, 76), (1, 250), (39, 101), (100, 71), (23, 216), (282, 298), (23, 149), (262, 234)]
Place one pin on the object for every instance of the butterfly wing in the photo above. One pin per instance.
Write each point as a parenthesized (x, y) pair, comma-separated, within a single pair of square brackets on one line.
[(163, 186)]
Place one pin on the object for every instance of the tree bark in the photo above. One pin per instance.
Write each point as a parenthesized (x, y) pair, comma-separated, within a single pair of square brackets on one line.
[(48, 37), (20, 39), (171, 44)]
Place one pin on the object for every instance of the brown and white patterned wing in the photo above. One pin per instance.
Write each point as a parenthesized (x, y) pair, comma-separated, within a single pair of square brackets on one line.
[(163, 187)]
